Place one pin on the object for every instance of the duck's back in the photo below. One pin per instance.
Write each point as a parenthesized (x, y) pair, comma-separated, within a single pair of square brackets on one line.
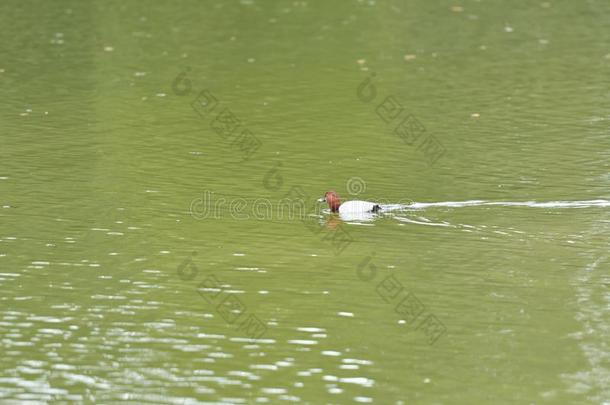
[(358, 206)]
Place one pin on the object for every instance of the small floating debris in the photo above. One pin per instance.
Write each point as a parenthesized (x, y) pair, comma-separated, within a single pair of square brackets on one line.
[(349, 367), (302, 342), (346, 314), (108, 48), (363, 381), (457, 9), (139, 74), (475, 115), (161, 94), (410, 56), (58, 38), (361, 61), (251, 60), (304, 373), (357, 361), (331, 353), (256, 269), (508, 29), (272, 367), (309, 329)]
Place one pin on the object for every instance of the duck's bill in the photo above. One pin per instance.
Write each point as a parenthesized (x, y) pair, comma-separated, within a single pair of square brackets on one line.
[(323, 199)]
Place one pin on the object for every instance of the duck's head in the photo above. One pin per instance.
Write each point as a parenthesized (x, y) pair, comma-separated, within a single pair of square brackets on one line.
[(332, 199)]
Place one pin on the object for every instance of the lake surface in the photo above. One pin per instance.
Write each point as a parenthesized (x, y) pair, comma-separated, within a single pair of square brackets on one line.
[(148, 255)]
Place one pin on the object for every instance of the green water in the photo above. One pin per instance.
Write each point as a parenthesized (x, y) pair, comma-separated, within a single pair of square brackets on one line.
[(117, 286)]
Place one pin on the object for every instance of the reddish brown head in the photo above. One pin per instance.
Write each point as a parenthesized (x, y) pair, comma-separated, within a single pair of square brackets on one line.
[(332, 199)]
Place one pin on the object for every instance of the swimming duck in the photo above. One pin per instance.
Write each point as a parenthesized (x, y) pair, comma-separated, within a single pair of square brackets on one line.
[(348, 207)]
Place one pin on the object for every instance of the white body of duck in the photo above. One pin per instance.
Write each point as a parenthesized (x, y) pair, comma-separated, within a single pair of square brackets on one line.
[(357, 206)]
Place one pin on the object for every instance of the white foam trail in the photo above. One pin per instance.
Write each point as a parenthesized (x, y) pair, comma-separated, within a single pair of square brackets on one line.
[(393, 207), (401, 219), (532, 204)]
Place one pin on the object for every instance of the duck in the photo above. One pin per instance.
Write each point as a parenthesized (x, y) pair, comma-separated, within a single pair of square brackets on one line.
[(348, 207)]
